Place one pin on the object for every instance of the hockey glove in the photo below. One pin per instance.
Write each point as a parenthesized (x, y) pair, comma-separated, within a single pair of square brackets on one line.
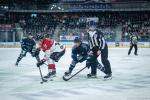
[(40, 62)]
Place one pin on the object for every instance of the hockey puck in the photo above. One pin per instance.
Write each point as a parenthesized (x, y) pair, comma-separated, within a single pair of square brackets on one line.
[(41, 82)]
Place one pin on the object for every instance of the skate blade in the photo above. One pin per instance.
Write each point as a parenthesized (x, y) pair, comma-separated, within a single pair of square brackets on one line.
[(91, 77), (106, 79)]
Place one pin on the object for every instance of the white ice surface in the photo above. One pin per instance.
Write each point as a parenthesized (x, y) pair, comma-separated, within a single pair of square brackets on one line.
[(131, 78)]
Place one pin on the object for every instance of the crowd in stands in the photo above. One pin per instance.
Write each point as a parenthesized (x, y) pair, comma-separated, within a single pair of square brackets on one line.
[(125, 22), (111, 23)]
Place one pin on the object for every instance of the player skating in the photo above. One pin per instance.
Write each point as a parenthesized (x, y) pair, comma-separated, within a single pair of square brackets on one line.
[(79, 54), (28, 45), (53, 52)]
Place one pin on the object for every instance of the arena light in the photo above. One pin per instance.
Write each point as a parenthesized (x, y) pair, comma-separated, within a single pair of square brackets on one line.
[(52, 8), (59, 8)]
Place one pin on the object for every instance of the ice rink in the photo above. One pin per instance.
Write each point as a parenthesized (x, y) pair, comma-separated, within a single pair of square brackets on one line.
[(131, 78)]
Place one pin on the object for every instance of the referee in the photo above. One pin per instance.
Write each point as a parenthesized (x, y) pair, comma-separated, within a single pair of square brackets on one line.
[(133, 43), (98, 46)]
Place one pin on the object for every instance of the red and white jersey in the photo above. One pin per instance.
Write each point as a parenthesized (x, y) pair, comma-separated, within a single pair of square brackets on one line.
[(46, 44), (50, 46)]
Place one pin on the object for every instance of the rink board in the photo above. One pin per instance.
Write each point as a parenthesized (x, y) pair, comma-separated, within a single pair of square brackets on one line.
[(69, 44)]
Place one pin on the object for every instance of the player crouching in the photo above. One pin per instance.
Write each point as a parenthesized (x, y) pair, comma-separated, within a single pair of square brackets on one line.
[(53, 52), (79, 54)]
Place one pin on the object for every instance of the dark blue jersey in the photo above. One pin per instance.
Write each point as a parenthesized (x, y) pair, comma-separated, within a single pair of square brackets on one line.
[(27, 44), (82, 50)]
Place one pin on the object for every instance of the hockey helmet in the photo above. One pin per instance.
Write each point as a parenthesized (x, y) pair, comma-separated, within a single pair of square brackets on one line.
[(77, 40)]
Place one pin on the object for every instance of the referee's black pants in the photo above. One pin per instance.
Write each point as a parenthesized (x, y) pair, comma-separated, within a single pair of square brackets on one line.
[(105, 61), (131, 47)]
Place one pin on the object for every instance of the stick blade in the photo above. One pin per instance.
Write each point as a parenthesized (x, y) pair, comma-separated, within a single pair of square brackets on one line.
[(64, 78)]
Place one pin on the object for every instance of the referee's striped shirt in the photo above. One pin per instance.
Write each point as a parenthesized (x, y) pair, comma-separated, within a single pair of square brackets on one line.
[(96, 39), (133, 39)]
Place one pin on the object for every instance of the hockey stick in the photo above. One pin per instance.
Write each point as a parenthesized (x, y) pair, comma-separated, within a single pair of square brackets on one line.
[(43, 80), (66, 79), (45, 64)]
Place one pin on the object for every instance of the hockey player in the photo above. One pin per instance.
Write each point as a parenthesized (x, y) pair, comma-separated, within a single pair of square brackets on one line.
[(79, 54), (98, 46), (53, 52), (28, 45), (133, 43)]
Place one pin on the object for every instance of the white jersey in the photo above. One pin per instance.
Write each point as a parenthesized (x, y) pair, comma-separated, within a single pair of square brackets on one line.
[(57, 47)]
